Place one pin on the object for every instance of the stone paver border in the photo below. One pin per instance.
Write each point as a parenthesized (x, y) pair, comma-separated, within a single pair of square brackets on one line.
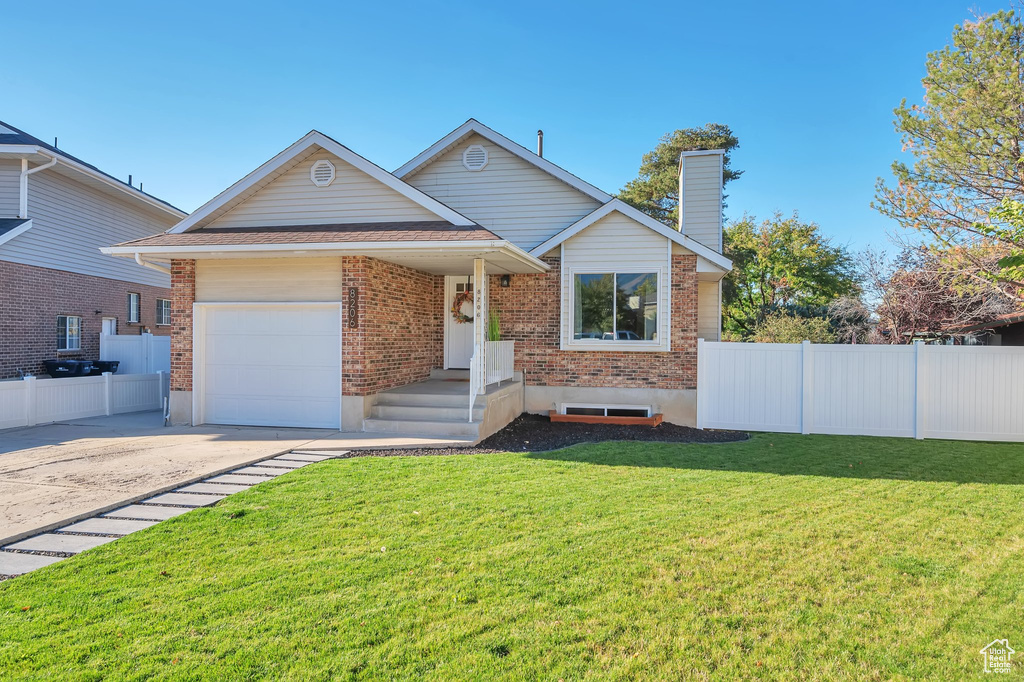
[(43, 549)]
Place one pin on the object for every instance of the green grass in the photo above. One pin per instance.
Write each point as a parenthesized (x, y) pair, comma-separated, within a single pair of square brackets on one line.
[(784, 557)]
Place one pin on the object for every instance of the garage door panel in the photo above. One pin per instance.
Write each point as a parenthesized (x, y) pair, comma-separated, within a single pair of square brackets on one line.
[(273, 366)]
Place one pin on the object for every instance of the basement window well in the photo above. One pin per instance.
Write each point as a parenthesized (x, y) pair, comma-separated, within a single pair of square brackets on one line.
[(608, 410)]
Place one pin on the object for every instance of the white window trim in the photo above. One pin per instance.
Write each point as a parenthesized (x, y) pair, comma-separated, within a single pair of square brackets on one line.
[(134, 312), (158, 322), (661, 345), (67, 338)]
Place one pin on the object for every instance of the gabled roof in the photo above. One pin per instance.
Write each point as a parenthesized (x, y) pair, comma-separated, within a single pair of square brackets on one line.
[(438, 231), (252, 182), (12, 139), (617, 205), (472, 126)]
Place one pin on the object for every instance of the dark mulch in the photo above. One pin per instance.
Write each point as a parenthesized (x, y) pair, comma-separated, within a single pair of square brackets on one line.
[(537, 433)]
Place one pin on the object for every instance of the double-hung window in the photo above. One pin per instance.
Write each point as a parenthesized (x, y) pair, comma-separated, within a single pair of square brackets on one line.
[(163, 311), (615, 307), (69, 332), (133, 307)]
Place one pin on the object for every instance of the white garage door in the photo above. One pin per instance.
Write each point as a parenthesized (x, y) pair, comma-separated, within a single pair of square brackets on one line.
[(272, 365)]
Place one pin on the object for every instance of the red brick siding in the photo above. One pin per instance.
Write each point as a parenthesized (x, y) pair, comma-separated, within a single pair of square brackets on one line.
[(31, 298), (183, 295), (400, 335), (529, 313)]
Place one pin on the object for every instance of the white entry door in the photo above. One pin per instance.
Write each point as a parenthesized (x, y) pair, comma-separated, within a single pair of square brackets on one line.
[(271, 365), (109, 325), (458, 337)]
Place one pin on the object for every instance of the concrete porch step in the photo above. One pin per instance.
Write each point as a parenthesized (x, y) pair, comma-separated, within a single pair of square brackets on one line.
[(410, 396), (425, 412), (424, 427)]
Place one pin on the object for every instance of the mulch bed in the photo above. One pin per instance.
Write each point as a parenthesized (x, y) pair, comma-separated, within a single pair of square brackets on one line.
[(537, 433)]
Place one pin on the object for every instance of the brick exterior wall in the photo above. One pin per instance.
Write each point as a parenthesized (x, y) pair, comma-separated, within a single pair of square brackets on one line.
[(529, 313), (31, 298), (400, 336), (183, 295)]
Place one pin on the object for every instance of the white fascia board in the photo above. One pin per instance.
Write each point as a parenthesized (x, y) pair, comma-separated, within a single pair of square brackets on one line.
[(139, 195), (702, 152), (625, 209), (473, 126), (455, 247), (319, 139), (11, 234)]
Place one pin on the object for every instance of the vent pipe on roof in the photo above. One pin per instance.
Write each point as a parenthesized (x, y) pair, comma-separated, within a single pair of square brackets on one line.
[(130, 180), (540, 143)]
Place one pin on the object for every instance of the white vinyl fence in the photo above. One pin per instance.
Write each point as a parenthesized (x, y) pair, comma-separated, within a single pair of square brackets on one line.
[(34, 401), (919, 391), (137, 353)]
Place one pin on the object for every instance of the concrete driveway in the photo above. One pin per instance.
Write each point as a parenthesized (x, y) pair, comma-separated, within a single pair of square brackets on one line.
[(59, 472)]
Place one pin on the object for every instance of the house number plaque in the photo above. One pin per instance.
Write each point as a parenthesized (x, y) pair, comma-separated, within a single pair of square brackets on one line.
[(353, 307)]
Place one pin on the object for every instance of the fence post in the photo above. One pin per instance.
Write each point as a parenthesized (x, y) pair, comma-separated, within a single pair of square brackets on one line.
[(148, 345), (108, 393), (807, 390), (30, 401), (701, 382), (919, 390), (160, 379)]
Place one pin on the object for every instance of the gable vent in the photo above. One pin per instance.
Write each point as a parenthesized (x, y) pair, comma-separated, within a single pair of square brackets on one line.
[(474, 158), (322, 173)]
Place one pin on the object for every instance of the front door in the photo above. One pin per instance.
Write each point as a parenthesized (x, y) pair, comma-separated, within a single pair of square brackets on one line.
[(458, 324)]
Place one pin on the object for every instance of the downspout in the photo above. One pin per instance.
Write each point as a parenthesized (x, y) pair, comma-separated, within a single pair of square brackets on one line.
[(153, 266), (23, 187)]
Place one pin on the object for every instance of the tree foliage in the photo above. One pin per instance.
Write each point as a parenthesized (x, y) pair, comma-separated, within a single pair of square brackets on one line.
[(781, 263), (967, 142), (655, 191), (781, 327)]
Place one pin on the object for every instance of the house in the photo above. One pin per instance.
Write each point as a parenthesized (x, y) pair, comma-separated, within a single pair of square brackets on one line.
[(57, 291), (1003, 330), (321, 290)]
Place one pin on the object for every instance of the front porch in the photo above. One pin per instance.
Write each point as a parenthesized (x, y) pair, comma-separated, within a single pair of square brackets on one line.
[(445, 406)]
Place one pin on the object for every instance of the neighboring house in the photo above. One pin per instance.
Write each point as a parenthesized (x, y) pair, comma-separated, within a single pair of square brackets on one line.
[(323, 287), (57, 291), (1004, 330)]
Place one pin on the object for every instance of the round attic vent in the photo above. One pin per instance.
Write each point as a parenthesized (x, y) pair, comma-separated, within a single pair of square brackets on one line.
[(322, 173), (474, 158)]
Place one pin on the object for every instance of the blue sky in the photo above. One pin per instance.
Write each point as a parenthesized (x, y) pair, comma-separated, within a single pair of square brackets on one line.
[(190, 97)]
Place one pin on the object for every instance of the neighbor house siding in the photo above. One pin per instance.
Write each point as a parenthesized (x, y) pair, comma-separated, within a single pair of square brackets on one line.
[(269, 279), (293, 199), (709, 308), (31, 298), (10, 177), (616, 244), (511, 197), (701, 185), (529, 317), (70, 222)]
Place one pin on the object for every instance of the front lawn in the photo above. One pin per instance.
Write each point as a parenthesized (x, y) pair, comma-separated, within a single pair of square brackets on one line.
[(781, 557)]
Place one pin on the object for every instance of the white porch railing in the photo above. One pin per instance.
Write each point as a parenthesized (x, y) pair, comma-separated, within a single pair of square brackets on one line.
[(500, 357)]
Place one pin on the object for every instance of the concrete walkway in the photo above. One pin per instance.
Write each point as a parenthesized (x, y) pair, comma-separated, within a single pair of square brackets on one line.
[(53, 474), (44, 549)]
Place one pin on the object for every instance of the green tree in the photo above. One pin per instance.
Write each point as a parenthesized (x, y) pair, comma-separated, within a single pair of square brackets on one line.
[(966, 141), (655, 191), (780, 263), (781, 327)]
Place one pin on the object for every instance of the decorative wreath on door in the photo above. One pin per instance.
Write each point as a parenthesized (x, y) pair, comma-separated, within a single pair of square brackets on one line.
[(462, 298)]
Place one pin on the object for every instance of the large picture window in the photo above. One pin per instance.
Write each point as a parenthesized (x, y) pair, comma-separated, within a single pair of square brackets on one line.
[(615, 307), (69, 332)]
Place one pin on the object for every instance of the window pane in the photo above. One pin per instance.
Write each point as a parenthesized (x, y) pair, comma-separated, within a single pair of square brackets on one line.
[(62, 332), (594, 307), (74, 333), (636, 306)]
